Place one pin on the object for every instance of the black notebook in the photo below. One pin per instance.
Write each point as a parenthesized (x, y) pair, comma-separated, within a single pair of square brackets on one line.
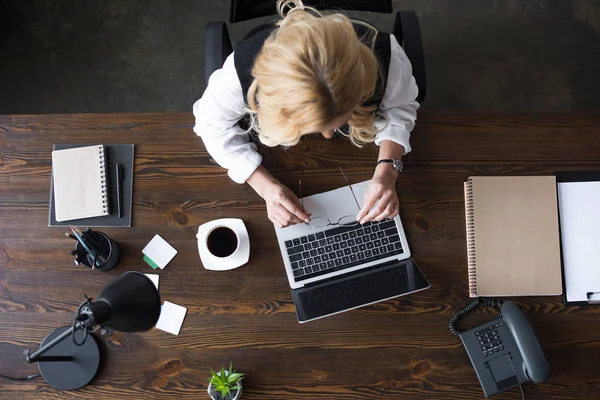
[(113, 154)]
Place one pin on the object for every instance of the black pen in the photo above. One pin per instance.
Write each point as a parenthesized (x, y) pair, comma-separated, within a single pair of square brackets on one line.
[(91, 239), (119, 176)]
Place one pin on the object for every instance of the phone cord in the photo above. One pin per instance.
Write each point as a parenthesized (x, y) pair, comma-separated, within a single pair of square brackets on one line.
[(478, 302)]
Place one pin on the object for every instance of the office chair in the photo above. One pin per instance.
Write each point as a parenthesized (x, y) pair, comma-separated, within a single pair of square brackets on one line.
[(406, 30)]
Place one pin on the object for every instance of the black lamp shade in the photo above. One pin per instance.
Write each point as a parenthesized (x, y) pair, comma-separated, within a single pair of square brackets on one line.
[(130, 303)]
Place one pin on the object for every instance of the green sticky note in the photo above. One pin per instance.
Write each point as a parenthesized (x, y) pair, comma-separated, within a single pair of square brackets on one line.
[(150, 262)]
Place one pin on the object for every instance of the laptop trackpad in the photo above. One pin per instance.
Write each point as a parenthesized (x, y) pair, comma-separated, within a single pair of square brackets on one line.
[(358, 288)]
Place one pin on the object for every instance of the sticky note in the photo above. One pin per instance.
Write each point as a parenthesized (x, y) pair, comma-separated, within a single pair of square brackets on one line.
[(154, 278), (171, 317), (150, 262), (158, 253)]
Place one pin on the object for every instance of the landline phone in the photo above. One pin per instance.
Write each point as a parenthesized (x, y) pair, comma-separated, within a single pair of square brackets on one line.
[(505, 352)]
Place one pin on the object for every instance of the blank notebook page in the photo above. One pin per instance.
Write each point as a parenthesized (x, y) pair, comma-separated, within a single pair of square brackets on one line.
[(79, 183)]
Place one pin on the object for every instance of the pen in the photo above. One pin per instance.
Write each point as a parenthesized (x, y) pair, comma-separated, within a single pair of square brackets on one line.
[(67, 234), (83, 243), (119, 176), (80, 239), (92, 241)]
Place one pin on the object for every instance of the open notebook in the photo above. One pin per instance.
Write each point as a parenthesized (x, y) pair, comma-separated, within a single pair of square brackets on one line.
[(512, 236), (79, 183)]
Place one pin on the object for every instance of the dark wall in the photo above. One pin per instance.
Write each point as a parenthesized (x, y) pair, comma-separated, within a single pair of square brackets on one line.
[(62, 56)]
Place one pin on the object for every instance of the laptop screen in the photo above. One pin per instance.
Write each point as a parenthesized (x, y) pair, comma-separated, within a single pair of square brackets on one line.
[(357, 289)]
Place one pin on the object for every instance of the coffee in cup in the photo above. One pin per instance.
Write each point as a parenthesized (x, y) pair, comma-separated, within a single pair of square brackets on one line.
[(222, 241)]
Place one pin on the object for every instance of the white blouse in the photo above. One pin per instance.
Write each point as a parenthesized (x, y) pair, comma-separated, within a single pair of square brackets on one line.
[(221, 106)]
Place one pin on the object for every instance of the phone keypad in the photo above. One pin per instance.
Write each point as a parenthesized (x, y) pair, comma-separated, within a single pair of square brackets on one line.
[(489, 339)]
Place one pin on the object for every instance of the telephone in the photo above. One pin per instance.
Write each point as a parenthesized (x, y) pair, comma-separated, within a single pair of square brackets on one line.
[(505, 352)]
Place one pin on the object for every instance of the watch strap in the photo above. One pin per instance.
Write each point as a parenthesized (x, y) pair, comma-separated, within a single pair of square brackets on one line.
[(394, 163)]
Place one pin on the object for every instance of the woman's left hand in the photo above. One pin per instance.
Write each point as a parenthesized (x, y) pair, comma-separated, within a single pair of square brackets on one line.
[(381, 199)]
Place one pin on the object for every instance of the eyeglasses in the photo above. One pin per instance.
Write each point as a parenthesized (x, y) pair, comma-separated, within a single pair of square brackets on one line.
[(322, 222)]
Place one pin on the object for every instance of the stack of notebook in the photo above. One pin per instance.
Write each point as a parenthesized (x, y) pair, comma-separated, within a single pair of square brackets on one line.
[(85, 190), (512, 236)]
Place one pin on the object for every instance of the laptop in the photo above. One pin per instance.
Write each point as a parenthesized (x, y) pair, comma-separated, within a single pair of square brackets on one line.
[(339, 267)]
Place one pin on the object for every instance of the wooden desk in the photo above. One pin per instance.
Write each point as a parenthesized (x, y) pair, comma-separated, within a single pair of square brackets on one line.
[(396, 349)]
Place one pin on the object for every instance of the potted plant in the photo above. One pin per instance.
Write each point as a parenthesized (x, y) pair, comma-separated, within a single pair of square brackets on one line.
[(225, 384)]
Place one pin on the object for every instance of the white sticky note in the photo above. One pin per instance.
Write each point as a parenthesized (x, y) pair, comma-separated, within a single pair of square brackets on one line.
[(171, 317), (154, 278), (158, 252)]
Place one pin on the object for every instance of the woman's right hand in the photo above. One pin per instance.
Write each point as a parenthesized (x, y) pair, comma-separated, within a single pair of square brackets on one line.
[(283, 207)]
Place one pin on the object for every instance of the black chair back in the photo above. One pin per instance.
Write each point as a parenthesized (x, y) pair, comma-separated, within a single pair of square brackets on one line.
[(406, 30), (244, 10)]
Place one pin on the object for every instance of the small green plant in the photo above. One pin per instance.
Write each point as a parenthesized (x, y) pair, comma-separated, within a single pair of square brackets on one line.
[(225, 381)]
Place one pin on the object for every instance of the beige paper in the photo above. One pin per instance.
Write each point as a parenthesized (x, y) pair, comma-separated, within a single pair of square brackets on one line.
[(514, 246), (79, 183)]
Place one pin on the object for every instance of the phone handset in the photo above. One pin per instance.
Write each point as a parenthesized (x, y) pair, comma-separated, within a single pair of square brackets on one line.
[(535, 365)]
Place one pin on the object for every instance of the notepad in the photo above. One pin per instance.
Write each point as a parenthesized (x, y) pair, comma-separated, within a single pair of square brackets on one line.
[(158, 253), (122, 154), (154, 278), (512, 236), (79, 183), (171, 317)]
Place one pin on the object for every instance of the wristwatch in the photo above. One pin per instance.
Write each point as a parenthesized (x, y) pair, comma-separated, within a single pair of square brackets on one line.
[(396, 164)]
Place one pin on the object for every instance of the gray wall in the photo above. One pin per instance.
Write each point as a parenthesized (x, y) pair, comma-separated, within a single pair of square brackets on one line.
[(64, 56)]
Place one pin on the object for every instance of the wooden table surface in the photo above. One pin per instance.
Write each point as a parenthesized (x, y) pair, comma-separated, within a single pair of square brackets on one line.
[(397, 349)]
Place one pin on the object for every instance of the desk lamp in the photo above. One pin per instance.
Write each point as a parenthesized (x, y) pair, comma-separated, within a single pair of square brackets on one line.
[(130, 303)]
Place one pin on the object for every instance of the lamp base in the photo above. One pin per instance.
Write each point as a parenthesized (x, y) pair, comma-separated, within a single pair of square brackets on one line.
[(74, 374)]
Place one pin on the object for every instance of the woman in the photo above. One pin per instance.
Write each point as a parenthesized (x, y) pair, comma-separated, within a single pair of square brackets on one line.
[(311, 73)]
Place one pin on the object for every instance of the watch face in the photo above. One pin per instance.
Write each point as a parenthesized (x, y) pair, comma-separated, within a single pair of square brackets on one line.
[(397, 165)]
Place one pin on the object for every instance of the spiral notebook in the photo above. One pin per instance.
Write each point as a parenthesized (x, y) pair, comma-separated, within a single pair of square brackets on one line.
[(83, 189), (513, 246), (79, 176)]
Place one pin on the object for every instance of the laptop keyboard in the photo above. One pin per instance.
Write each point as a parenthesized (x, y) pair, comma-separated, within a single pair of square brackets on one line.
[(342, 247)]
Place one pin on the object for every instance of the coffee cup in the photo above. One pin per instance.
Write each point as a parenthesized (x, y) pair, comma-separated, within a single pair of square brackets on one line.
[(223, 244)]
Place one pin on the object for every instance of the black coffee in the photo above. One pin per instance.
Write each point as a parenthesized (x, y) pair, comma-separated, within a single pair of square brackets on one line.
[(222, 242)]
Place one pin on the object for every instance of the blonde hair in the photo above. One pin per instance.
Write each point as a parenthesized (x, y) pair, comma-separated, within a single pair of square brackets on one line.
[(310, 71)]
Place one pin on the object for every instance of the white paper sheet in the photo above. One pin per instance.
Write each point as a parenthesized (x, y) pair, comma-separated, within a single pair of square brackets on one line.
[(154, 278), (171, 317), (579, 207)]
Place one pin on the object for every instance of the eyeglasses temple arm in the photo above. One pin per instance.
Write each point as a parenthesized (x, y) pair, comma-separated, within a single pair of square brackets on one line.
[(350, 186), (300, 188)]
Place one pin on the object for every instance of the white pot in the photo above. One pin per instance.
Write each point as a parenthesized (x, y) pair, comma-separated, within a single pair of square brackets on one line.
[(237, 395)]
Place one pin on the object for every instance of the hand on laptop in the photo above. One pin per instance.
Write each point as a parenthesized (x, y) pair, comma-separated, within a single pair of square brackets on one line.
[(283, 206), (381, 199)]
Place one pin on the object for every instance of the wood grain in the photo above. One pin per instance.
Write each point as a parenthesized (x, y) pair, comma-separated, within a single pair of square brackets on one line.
[(397, 349)]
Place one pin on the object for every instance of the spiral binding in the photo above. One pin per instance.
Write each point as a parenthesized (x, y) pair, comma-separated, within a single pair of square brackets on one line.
[(102, 156), (470, 238)]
